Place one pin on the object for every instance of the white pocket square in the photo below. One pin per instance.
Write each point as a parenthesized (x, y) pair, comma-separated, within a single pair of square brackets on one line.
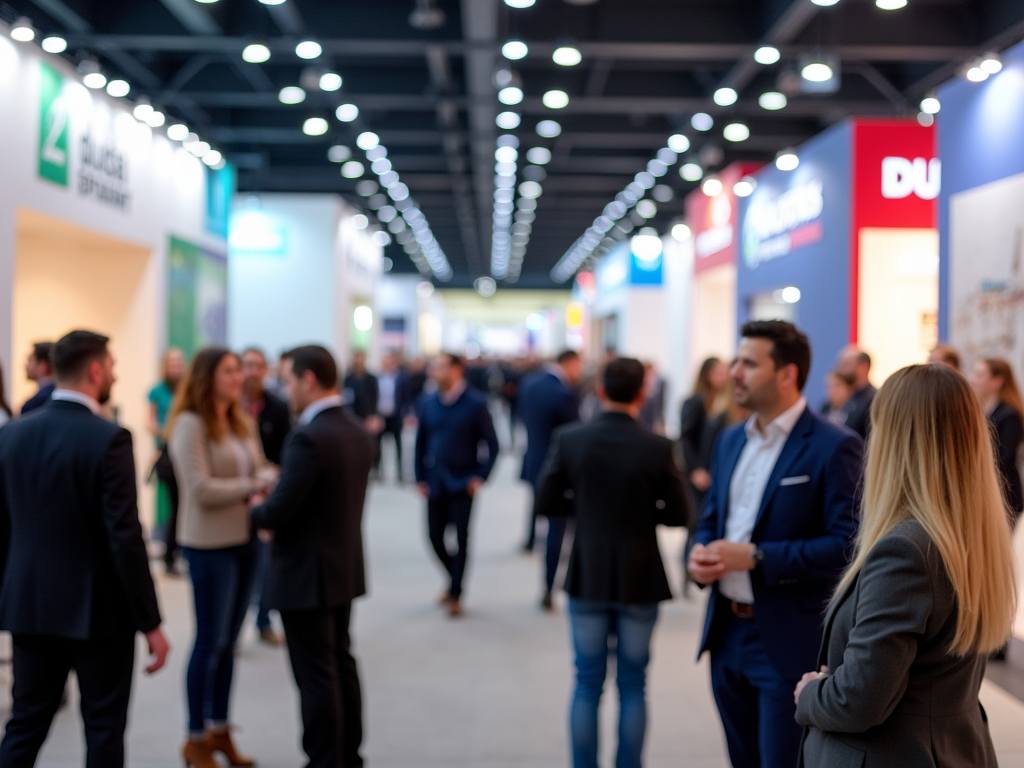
[(797, 480)]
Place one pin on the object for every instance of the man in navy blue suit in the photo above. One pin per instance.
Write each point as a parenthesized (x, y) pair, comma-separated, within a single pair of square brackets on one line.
[(773, 540), (453, 422), (547, 400)]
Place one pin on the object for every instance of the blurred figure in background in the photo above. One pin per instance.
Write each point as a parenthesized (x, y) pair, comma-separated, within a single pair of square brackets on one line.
[(453, 423), (161, 398), (39, 368), (391, 407), (6, 414), (548, 400), (855, 364), (652, 413), (361, 391), (945, 354), (838, 391), (273, 422), (993, 382)]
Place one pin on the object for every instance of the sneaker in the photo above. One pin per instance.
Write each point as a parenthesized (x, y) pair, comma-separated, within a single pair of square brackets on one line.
[(270, 637)]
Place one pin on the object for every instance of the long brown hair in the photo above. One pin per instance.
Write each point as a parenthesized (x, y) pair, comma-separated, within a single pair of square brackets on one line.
[(702, 386), (1008, 393), (930, 459), (195, 394)]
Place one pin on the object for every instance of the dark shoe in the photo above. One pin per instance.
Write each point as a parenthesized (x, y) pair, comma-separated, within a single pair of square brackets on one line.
[(454, 608), (548, 603), (526, 549), (172, 570), (445, 599), (270, 637), (220, 741)]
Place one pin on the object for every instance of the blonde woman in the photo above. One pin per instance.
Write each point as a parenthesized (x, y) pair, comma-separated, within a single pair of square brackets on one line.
[(930, 592)]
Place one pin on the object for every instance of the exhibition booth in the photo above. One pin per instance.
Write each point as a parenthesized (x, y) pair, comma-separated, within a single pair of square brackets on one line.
[(844, 244), (105, 224)]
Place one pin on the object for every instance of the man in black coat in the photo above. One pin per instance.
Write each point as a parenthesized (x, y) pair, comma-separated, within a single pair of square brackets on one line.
[(620, 482), (315, 516), (76, 581), (855, 364)]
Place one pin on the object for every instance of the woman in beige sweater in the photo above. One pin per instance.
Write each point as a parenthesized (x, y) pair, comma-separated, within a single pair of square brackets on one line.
[(219, 464)]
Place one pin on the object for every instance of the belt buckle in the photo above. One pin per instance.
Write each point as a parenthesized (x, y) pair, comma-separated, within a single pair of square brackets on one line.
[(742, 610)]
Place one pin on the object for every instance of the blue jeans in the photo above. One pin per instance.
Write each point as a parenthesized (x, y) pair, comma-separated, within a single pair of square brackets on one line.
[(221, 585), (593, 626), (259, 589)]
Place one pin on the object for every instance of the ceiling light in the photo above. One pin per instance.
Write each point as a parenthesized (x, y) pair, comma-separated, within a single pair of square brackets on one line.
[(788, 295), (539, 155), (189, 140), (681, 232), (199, 148), (177, 132), (825, 3), (380, 166), (991, 63), (291, 94), (362, 316), (977, 74), (567, 56), (97, 80), (398, 192), (506, 154), (359, 221), (767, 54), (510, 95), (308, 49), (142, 110), (736, 132), (678, 143), (255, 53), (891, 5), (485, 286), (367, 140), (353, 169), (339, 153), (646, 245), (712, 186), (663, 193), (315, 126), (156, 119), (514, 50), (548, 129), (702, 121), (347, 113), (388, 178), (507, 120), (772, 100), (925, 120), (330, 81), (744, 187), (213, 157), (725, 97), (22, 30), (118, 88), (555, 99), (817, 72), (691, 171), (930, 105), (54, 44), (530, 190), (647, 209), (272, 2), (787, 160)]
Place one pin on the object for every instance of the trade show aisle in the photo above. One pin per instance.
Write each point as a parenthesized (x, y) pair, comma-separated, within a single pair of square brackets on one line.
[(488, 690)]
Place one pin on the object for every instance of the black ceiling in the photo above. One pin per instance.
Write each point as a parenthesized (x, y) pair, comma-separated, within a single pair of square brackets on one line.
[(648, 66)]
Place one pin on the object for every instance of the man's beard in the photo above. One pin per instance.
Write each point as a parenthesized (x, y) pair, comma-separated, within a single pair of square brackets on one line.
[(104, 397)]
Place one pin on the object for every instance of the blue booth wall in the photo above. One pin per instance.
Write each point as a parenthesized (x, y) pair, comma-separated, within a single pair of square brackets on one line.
[(980, 130), (820, 270)]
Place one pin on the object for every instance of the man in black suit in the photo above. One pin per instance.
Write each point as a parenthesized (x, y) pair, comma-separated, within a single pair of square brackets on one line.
[(315, 516), (620, 482), (855, 364), (361, 389), (76, 581), (39, 368)]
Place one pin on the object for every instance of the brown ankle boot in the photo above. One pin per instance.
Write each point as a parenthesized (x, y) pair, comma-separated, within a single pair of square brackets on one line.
[(199, 754), (220, 741)]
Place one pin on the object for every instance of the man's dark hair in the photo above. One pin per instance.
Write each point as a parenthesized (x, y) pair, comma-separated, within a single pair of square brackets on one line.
[(42, 351), (315, 358), (864, 357), (567, 356), (455, 360), (72, 355), (253, 351), (623, 379), (789, 345)]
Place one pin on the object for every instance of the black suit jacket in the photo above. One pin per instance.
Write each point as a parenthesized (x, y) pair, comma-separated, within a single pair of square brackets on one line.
[(72, 556), (316, 514), (620, 482), (858, 414), (275, 423), (1007, 429), (362, 394)]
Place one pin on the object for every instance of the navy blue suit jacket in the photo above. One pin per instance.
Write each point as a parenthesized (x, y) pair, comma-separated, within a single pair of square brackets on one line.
[(805, 528), (448, 442), (545, 404)]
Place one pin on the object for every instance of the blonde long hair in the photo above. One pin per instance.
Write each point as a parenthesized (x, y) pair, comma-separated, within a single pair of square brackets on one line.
[(930, 459)]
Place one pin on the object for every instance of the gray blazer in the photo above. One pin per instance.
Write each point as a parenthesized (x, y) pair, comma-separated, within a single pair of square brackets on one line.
[(894, 695)]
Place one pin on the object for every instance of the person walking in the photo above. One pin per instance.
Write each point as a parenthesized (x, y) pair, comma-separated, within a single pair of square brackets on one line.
[(362, 391), (838, 393), (76, 581), (548, 399), (995, 385), (273, 422), (772, 543), (39, 368), (855, 365), (161, 398), (219, 464), (314, 515), (945, 354), (930, 592), (453, 423), (391, 408), (619, 482)]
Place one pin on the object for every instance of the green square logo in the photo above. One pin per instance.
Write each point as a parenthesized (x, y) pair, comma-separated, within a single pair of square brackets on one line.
[(53, 126)]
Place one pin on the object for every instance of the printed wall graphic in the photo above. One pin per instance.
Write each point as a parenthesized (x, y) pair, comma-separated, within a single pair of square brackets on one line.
[(220, 192), (196, 297), (53, 126)]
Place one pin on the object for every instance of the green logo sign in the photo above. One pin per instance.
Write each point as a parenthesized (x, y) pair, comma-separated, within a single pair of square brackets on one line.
[(53, 126)]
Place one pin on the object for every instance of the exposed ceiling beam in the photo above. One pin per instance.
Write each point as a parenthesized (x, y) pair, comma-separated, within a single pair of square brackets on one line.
[(882, 84), (287, 17), (790, 24), (192, 17)]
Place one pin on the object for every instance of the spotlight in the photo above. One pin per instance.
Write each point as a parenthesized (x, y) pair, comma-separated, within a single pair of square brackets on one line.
[(991, 63), (353, 169), (977, 74), (22, 30), (925, 120), (510, 95), (725, 97), (485, 286), (678, 143), (308, 49), (367, 140), (507, 120), (143, 110), (213, 157), (744, 187), (825, 3), (787, 160), (681, 232), (347, 113), (891, 5), (530, 190), (118, 88), (702, 121), (539, 155), (567, 56), (54, 44), (177, 132), (736, 132), (772, 100), (548, 129), (506, 154), (712, 186), (520, 3), (256, 53), (817, 72), (330, 81), (95, 80), (930, 105), (767, 54), (156, 119), (691, 171), (315, 126), (514, 50), (291, 94), (555, 99)]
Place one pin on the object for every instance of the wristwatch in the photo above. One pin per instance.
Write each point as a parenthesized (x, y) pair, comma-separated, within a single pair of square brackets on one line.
[(757, 556)]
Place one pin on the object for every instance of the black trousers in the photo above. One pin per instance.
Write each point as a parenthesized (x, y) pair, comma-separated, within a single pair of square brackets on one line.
[(320, 650), (393, 427), (41, 665), (450, 509)]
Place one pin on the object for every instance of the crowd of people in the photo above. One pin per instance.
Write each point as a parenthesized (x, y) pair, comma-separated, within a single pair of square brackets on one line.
[(857, 556)]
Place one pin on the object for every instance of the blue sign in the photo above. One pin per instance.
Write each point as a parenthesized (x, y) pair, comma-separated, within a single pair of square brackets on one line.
[(220, 191)]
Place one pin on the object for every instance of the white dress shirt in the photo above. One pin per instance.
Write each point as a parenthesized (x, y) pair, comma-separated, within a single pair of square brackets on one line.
[(73, 396), (313, 409), (387, 386), (746, 490)]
